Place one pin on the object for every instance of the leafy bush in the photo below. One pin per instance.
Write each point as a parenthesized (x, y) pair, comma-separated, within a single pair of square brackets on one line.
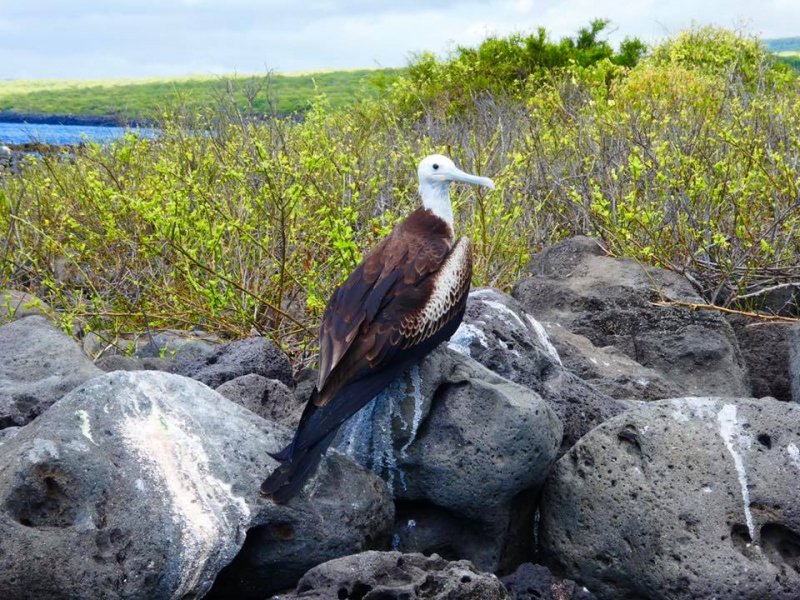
[(503, 65), (250, 225), (716, 51)]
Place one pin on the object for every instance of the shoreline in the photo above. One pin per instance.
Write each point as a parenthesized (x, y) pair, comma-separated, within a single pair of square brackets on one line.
[(7, 116)]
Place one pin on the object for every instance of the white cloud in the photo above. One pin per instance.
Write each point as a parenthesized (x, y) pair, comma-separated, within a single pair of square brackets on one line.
[(106, 38)]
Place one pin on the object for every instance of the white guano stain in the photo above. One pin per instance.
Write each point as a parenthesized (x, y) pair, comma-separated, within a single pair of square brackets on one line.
[(794, 455), (416, 383), (732, 435), (482, 292), (85, 425), (179, 468), (685, 408), (544, 339), (504, 312), (464, 336), (41, 450)]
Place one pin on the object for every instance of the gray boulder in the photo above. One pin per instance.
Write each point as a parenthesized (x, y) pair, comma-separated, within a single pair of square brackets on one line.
[(177, 345), (38, 365), (782, 300), (500, 335), (168, 344), (254, 355), (611, 302), (396, 576), (536, 582), (608, 370), (121, 362), (580, 407), (453, 438), (145, 485), (268, 398), (686, 498), (15, 305), (7, 433), (765, 347), (794, 362)]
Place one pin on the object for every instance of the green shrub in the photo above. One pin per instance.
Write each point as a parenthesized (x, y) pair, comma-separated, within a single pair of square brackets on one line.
[(250, 226), (716, 51), (503, 66)]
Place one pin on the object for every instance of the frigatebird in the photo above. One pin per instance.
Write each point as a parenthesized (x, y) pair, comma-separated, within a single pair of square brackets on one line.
[(406, 297)]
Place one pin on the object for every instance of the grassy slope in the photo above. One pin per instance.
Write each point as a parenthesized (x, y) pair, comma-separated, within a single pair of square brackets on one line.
[(139, 98), (787, 50)]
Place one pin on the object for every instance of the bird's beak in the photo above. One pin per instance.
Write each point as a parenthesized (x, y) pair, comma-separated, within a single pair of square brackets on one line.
[(454, 174)]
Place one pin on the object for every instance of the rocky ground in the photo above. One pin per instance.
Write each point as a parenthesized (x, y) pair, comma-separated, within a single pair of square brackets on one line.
[(7, 159), (573, 440)]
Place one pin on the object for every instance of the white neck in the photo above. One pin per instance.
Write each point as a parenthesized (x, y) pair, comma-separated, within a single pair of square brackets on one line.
[(436, 198)]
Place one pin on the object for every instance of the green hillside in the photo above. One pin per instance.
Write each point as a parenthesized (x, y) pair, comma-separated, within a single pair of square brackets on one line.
[(786, 49), (131, 99)]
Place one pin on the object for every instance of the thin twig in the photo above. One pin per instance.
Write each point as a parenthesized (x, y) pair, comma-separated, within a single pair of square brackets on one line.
[(729, 311), (766, 290)]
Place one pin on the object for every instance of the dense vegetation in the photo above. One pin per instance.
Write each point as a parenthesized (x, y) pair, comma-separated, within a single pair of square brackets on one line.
[(790, 58), (137, 99), (506, 65), (687, 159)]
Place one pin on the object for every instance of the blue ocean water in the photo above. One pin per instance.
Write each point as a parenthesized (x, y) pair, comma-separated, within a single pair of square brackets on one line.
[(21, 133)]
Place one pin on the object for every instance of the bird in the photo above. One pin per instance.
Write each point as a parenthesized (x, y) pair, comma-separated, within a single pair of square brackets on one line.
[(406, 297)]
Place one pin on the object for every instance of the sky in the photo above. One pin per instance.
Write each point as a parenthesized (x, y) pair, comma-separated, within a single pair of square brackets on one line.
[(90, 39)]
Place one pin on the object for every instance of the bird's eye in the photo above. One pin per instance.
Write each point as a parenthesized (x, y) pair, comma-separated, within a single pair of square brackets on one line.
[(435, 167)]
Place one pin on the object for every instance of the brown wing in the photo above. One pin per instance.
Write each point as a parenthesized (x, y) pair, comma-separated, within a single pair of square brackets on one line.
[(402, 293)]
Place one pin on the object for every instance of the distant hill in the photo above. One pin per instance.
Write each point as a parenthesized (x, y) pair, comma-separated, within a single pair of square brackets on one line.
[(129, 100), (790, 44), (787, 50)]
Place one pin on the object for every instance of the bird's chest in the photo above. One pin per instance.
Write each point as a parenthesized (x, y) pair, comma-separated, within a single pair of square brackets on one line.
[(448, 286)]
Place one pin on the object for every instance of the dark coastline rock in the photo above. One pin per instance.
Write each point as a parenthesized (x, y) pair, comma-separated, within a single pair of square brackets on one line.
[(684, 498), (144, 485), (612, 302), (396, 576), (8, 116)]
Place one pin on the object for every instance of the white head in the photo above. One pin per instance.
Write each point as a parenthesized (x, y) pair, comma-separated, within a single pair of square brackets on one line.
[(436, 173)]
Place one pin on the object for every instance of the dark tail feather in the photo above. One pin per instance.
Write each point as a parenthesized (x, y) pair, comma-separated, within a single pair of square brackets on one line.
[(289, 478), (302, 427), (318, 427)]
